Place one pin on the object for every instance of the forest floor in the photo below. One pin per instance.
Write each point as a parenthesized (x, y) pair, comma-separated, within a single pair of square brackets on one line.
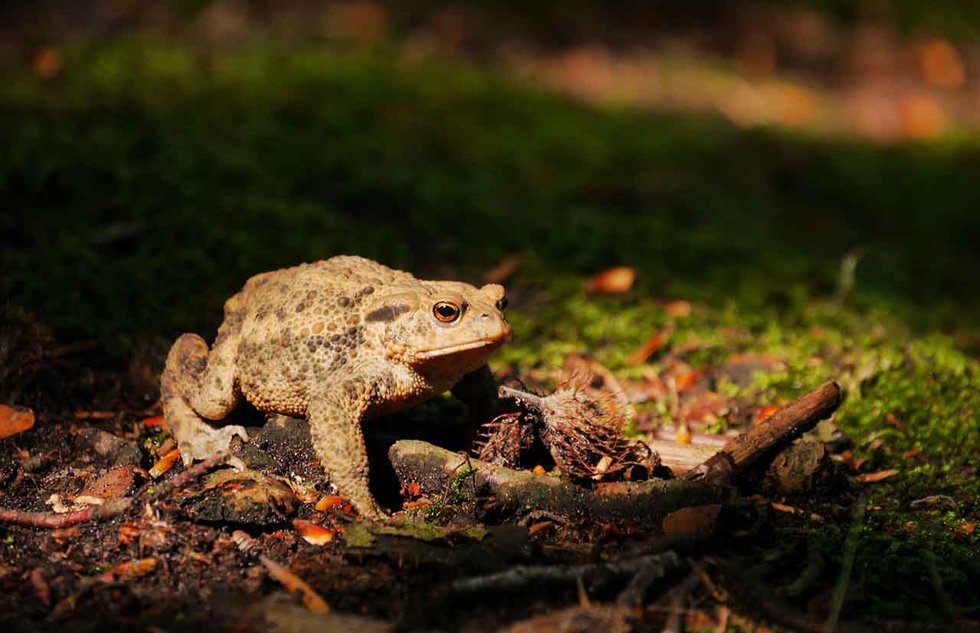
[(143, 182)]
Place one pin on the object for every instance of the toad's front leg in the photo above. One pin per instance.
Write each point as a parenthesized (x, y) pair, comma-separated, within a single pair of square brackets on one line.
[(335, 416)]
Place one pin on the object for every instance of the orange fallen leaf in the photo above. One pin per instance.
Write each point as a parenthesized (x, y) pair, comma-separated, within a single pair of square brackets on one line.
[(95, 415), (678, 309), (41, 587), (155, 422), (965, 530), (763, 412), (328, 502), (46, 62), (613, 280), (165, 463), (782, 507), (539, 527), (649, 348), (113, 484), (293, 583), (870, 478), (941, 63), (503, 270), (130, 571), (14, 420), (312, 533), (684, 382), (693, 520), (129, 532)]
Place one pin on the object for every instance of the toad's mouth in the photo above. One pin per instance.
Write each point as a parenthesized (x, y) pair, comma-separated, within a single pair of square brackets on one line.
[(459, 348)]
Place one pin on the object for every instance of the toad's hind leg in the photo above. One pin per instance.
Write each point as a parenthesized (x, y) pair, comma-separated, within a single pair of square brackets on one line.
[(198, 383)]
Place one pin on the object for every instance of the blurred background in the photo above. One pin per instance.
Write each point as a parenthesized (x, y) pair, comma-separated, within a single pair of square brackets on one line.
[(763, 153)]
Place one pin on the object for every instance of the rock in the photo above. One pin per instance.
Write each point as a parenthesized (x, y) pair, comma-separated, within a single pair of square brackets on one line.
[(115, 450), (241, 497), (280, 613)]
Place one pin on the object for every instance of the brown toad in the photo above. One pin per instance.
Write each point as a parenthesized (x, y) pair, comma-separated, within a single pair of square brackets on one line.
[(335, 341)]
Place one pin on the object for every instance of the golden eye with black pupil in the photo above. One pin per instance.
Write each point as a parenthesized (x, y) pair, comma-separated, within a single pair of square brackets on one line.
[(446, 312), (502, 304)]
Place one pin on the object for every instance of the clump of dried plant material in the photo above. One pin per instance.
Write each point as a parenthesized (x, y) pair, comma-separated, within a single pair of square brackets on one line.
[(581, 428)]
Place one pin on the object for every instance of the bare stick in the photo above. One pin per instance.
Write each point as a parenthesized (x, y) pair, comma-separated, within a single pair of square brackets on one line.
[(184, 477), (787, 424), (54, 520), (520, 576)]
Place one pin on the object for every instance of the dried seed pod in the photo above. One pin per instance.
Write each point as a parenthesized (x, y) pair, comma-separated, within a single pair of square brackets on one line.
[(582, 429)]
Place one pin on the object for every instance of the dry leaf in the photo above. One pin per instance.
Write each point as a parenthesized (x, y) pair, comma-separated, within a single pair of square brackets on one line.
[(129, 532), (696, 520), (764, 412), (539, 527), (870, 478), (155, 422), (41, 587), (707, 407), (306, 493), (311, 599), (614, 280), (328, 502), (648, 349), (678, 309), (941, 63), (312, 533), (130, 571), (502, 271), (965, 530), (782, 507), (46, 62), (14, 420), (113, 484), (165, 463)]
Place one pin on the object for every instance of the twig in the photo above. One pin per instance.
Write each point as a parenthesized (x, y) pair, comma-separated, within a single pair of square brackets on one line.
[(761, 440), (54, 520), (850, 553), (521, 576), (188, 475)]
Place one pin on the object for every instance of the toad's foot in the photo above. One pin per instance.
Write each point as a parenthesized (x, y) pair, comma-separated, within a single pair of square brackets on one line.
[(207, 441), (197, 439)]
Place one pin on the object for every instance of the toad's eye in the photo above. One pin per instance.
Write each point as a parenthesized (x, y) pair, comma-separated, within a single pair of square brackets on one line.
[(446, 312), (502, 304)]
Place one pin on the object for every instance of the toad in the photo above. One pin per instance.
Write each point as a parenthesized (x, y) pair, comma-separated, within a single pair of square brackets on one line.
[(337, 342)]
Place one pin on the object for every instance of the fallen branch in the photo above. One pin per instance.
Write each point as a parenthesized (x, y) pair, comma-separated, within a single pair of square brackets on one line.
[(763, 439), (53, 520), (518, 491), (519, 577)]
